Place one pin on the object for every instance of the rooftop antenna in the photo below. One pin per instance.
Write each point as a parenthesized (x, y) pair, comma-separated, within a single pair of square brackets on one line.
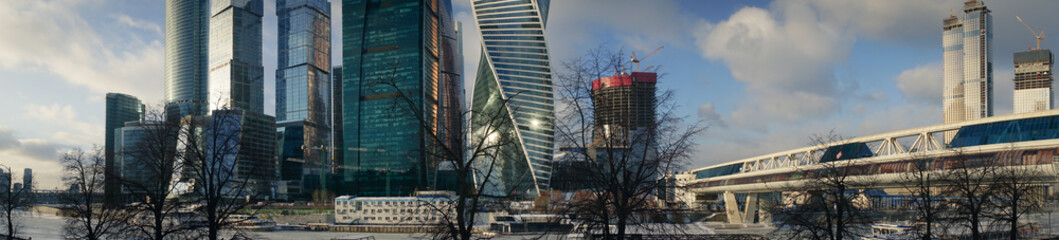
[(1035, 34)]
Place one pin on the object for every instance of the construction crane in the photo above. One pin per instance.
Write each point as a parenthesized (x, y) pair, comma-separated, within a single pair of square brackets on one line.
[(1039, 36), (637, 60)]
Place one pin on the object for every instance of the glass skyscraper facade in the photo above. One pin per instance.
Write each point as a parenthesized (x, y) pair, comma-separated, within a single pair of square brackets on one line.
[(967, 42), (336, 116), (515, 69), (410, 45), (121, 108), (977, 60), (235, 72), (186, 36), (303, 86), (129, 148), (255, 143)]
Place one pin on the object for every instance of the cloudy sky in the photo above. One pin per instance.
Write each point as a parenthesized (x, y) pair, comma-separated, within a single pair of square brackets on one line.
[(763, 74)]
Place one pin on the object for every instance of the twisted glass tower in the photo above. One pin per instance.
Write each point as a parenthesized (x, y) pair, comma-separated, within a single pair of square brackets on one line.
[(515, 78)]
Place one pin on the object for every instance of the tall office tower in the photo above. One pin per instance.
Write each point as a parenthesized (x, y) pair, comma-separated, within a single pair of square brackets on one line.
[(5, 182), (968, 69), (336, 119), (27, 179), (128, 150), (186, 36), (952, 41), (235, 72), (1033, 80), (977, 60), (303, 87), (121, 108), (255, 134), (515, 69), (622, 104), (396, 45)]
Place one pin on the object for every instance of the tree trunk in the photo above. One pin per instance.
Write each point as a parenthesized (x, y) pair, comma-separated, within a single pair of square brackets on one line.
[(158, 226), (1014, 218), (10, 224)]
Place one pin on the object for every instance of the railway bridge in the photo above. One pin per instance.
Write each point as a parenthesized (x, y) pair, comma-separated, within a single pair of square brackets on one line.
[(1028, 141)]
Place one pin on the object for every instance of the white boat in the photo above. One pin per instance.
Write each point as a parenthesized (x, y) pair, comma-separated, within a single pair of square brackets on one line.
[(249, 223), (891, 231)]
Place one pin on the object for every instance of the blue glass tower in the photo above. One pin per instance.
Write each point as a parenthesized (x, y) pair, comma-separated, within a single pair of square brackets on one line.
[(235, 72), (409, 44), (121, 108), (186, 35), (515, 70), (303, 86)]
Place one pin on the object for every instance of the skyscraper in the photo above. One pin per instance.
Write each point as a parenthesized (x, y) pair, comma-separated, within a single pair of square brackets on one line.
[(5, 182), (121, 108), (400, 45), (952, 57), (336, 116), (515, 67), (303, 86), (968, 69), (977, 60), (1033, 80), (27, 180), (621, 104), (236, 91), (186, 35), (129, 150), (235, 72)]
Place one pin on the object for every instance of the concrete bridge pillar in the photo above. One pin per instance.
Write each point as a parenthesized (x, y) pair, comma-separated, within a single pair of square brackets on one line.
[(751, 208), (731, 207), (750, 212)]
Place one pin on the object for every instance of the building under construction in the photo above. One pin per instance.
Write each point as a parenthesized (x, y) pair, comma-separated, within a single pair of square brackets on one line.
[(623, 103), (1033, 80)]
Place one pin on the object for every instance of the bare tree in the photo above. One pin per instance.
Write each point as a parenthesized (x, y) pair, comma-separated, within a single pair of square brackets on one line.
[(85, 172), (474, 164), (153, 165), (969, 184), (924, 185), (11, 202), (1018, 192), (626, 156), (217, 159), (831, 202)]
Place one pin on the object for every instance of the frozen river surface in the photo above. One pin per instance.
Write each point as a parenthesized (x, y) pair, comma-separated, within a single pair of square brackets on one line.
[(48, 226)]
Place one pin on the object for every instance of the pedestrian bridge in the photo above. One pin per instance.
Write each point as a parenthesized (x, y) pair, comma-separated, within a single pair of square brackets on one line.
[(1029, 140)]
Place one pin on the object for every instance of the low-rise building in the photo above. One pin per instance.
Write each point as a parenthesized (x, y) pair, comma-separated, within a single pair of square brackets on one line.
[(425, 208)]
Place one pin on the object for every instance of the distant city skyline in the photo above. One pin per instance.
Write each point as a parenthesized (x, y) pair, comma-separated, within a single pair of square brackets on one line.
[(873, 65)]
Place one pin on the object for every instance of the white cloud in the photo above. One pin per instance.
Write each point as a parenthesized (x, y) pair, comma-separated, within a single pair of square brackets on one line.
[(708, 113), (131, 22), (55, 38), (922, 83), (35, 148), (787, 63), (639, 25), (64, 117), (899, 21)]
